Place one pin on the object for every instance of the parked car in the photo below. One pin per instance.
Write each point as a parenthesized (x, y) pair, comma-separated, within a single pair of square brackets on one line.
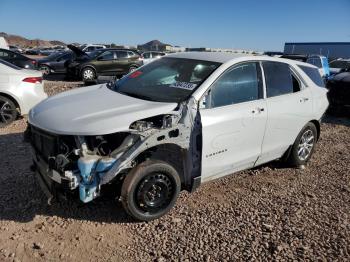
[(48, 51), (175, 123), (90, 48), (273, 53), (151, 56), (32, 51), (55, 63), (321, 62), (17, 59), (102, 62), (339, 65), (20, 90), (15, 49), (339, 93)]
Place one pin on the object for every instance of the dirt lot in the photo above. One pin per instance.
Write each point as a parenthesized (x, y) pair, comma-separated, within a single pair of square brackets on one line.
[(270, 213)]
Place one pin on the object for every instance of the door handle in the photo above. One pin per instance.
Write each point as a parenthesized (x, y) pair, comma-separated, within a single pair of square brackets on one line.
[(258, 110), (304, 99)]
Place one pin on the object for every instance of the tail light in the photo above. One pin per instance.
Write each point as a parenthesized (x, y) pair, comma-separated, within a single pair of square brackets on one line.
[(32, 80), (33, 62)]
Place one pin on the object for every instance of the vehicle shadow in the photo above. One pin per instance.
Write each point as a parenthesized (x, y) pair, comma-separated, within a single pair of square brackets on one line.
[(21, 198), (336, 120)]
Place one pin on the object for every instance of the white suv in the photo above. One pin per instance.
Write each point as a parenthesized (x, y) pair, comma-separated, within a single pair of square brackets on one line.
[(172, 124)]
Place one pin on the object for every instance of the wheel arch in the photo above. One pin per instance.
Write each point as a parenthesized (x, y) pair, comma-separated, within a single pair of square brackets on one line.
[(12, 98), (170, 153), (318, 127)]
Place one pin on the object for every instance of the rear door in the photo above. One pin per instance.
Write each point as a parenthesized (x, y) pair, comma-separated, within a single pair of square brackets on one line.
[(233, 121), (122, 63), (289, 108)]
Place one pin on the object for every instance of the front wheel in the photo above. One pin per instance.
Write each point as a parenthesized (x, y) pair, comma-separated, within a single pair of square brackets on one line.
[(150, 190), (303, 146), (88, 74)]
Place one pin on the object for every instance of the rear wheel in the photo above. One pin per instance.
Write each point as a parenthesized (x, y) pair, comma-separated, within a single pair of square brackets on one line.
[(45, 70), (8, 111), (132, 69), (88, 74), (150, 190), (303, 146)]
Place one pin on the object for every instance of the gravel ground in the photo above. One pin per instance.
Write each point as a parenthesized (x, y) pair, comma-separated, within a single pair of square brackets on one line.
[(269, 213)]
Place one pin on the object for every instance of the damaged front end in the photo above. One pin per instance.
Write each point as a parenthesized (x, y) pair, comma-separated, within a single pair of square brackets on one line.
[(85, 163)]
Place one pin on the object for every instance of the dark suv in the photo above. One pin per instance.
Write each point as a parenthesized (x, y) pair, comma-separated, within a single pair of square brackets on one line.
[(102, 62)]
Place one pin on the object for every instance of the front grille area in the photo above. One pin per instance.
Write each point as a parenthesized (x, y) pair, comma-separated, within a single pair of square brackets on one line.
[(44, 143)]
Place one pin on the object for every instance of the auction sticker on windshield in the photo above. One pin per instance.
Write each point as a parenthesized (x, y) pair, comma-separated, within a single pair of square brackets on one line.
[(183, 85)]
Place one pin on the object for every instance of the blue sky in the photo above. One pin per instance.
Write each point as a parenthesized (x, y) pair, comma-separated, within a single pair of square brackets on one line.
[(250, 24)]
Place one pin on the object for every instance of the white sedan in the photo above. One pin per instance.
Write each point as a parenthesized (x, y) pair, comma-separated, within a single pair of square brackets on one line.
[(20, 90), (175, 123)]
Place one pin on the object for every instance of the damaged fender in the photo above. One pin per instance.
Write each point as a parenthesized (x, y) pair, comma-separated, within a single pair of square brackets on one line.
[(181, 128)]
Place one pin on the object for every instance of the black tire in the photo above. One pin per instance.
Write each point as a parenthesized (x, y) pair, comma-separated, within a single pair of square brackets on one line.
[(302, 150), (8, 111), (45, 70), (88, 74), (150, 190)]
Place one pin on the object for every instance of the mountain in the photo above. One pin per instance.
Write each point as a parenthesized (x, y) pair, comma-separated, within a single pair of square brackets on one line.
[(24, 42)]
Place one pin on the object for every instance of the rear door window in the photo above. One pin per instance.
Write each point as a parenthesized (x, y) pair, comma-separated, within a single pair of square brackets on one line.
[(122, 54), (313, 74), (279, 79)]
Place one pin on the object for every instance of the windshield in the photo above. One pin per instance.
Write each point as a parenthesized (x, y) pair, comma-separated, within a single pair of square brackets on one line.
[(166, 79)]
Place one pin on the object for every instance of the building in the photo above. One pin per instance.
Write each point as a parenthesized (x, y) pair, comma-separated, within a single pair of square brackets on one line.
[(227, 50), (154, 45), (331, 50)]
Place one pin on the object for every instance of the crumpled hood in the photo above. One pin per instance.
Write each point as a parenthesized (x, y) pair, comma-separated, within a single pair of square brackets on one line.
[(94, 110)]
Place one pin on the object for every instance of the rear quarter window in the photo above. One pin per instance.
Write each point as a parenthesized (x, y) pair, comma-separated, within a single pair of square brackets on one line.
[(313, 74)]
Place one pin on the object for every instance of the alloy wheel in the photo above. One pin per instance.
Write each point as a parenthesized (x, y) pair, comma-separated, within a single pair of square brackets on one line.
[(88, 74), (306, 144)]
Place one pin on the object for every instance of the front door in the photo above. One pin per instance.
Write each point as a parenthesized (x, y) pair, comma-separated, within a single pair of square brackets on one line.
[(233, 121), (105, 63)]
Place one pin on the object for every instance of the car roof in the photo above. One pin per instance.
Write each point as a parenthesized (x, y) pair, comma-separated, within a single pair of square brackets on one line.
[(222, 57)]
